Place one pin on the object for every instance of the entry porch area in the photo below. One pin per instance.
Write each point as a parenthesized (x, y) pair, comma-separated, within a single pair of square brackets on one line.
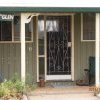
[(52, 46)]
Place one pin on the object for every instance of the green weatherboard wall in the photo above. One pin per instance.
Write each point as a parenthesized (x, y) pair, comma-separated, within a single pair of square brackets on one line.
[(82, 50), (10, 59)]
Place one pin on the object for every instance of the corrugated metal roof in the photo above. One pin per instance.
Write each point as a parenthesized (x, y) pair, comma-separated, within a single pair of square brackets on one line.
[(47, 9)]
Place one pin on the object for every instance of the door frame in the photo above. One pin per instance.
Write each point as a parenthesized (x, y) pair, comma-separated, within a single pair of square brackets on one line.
[(71, 77)]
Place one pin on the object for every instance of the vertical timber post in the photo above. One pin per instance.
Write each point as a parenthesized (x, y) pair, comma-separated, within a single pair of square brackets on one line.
[(72, 56), (23, 47), (97, 51)]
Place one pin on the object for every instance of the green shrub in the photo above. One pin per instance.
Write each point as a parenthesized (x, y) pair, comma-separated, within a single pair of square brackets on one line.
[(29, 79), (8, 87), (5, 88), (15, 78), (19, 86), (15, 85)]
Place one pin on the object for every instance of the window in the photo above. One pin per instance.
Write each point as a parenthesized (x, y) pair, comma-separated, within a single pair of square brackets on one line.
[(5, 30), (88, 26), (28, 31), (41, 35), (16, 24), (10, 29)]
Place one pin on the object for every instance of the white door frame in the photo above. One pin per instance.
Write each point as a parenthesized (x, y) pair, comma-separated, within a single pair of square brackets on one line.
[(62, 77), (72, 60), (68, 77)]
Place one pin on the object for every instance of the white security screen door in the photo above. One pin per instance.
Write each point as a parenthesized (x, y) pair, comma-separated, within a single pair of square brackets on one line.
[(58, 37)]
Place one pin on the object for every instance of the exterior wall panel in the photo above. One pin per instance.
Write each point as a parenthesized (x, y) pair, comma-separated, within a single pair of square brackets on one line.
[(83, 50), (30, 68), (10, 55), (10, 59)]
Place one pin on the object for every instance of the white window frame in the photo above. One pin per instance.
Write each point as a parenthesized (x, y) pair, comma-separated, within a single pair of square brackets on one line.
[(32, 31), (19, 41), (82, 40)]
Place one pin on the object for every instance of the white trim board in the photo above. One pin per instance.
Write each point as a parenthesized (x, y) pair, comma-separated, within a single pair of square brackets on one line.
[(58, 77), (97, 51), (72, 49)]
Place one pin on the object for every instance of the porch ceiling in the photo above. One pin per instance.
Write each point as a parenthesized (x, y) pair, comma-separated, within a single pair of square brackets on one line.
[(48, 9)]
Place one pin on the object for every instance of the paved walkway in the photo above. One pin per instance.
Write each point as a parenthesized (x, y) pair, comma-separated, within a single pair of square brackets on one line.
[(71, 93), (84, 96)]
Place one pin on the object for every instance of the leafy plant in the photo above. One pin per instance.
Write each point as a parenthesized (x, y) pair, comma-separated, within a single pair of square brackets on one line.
[(15, 86), (15, 78), (19, 86), (30, 84), (3, 90), (11, 87), (29, 79)]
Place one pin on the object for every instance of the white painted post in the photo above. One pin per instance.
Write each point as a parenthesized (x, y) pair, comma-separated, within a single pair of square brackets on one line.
[(97, 51), (23, 47), (72, 63), (24, 19)]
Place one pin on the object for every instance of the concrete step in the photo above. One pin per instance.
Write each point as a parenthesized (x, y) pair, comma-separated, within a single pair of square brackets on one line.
[(60, 83)]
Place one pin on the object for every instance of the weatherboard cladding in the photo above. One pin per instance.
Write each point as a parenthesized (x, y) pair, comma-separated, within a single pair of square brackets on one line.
[(48, 9)]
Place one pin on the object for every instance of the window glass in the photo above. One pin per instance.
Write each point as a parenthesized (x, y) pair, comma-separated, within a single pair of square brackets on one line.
[(52, 25), (88, 26), (41, 66), (41, 33), (5, 30), (28, 31), (17, 28), (40, 25)]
